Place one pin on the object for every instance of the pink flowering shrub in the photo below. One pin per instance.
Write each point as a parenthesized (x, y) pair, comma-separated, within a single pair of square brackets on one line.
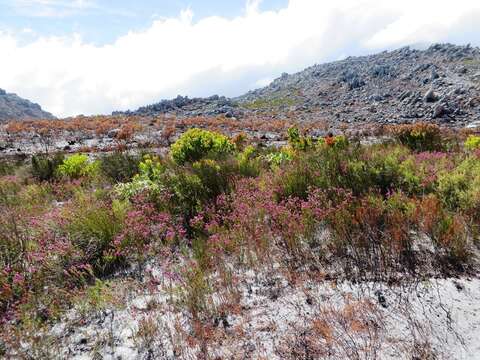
[(144, 232), (345, 208)]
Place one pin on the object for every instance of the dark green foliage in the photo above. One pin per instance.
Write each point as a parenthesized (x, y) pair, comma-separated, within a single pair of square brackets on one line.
[(193, 188), (6, 168), (44, 167), (120, 167)]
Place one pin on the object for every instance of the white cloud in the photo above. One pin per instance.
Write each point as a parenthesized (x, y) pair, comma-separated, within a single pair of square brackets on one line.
[(219, 55)]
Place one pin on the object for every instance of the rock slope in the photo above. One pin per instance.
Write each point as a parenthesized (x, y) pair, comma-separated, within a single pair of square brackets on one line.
[(441, 83), (13, 107)]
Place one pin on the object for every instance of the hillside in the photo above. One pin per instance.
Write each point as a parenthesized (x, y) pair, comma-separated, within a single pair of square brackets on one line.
[(288, 223), (441, 83), (13, 107)]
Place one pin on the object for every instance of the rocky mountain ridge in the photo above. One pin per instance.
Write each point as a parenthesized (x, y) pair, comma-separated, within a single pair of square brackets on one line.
[(441, 83), (183, 105), (13, 107)]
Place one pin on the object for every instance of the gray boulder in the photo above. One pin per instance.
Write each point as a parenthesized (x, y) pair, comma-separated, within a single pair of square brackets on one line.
[(430, 96)]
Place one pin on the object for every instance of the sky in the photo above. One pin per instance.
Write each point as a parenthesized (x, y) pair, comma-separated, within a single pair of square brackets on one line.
[(96, 56)]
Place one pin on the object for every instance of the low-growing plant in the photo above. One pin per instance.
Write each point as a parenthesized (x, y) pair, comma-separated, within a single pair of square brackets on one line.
[(298, 141), (372, 235), (145, 231), (7, 167), (96, 297), (278, 158), (194, 291), (295, 180), (448, 231), (92, 226), (459, 187)]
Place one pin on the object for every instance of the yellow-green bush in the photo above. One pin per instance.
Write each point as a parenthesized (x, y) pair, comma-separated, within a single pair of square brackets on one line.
[(148, 179), (420, 136), (249, 164), (297, 141), (196, 144), (77, 166), (472, 142), (460, 187)]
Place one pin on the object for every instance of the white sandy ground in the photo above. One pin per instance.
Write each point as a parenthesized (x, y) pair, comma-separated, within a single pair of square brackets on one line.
[(433, 319)]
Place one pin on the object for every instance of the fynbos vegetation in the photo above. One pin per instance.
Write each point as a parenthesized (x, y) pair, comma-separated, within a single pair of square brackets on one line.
[(393, 212)]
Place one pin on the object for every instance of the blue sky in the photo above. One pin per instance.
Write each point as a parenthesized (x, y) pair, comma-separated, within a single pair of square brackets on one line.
[(102, 21), (93, 57)]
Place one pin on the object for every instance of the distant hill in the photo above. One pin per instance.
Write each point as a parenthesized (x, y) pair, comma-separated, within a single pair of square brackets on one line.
[(13, 107), (441, 83)]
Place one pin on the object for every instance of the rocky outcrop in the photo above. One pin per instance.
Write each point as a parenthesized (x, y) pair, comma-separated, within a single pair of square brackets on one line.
[(13, 107), (184, 106), (441, 83)]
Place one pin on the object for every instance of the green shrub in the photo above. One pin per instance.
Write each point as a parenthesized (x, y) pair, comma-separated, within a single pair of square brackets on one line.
[(13, 237), (278, 158), (44, 168), (472, 143), (35, 195), (297, 141), (185, 191), (215, 177), (7, 167), (92, 226), (420, 136), (188, 194), (384, 168), (458, 188), (249, 164), (120, 167), (148, 179), (295, 179), (77, 166), (9, 190), (196, 144)]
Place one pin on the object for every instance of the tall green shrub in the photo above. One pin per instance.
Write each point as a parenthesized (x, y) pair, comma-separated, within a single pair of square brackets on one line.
[(44, 168), (196, 144), (77, 166)]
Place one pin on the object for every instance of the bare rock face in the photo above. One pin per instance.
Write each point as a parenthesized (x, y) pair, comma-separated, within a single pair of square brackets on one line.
[(13, 107)]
